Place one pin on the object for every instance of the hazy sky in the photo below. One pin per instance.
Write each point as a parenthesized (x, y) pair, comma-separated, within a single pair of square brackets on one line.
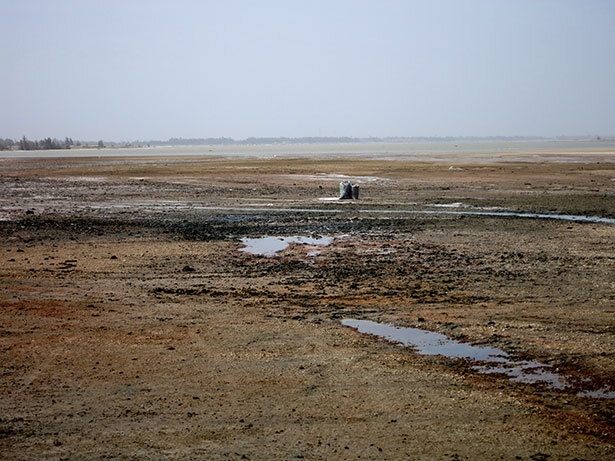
[(130, 69)]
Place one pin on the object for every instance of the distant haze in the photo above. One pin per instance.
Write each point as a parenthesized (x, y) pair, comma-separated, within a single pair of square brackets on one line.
[(130, 69)]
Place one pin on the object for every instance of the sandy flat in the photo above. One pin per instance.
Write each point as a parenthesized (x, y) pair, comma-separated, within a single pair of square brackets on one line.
[(133, 327)]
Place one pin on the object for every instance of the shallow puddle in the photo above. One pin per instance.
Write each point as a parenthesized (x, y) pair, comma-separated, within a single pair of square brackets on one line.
[(269, 246), (492, 360), (604, 393)]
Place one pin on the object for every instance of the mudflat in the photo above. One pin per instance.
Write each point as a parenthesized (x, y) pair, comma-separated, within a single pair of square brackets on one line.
[(133, 326)]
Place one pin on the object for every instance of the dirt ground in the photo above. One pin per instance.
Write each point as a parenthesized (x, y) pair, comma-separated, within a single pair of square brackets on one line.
[(133, 327)]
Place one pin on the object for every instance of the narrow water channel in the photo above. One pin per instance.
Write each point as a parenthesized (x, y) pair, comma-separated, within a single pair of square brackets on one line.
[(497, 214), (489, 360)]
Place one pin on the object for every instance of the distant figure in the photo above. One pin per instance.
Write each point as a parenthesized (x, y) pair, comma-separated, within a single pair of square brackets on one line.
[(355, 191), (345, 190)]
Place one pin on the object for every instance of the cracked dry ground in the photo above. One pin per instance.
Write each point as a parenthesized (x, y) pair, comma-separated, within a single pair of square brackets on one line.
[(148, 336)]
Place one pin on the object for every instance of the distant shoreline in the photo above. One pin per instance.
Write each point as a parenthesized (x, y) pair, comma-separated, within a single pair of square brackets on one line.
[(282, 141), (261, 141), (484, 150)]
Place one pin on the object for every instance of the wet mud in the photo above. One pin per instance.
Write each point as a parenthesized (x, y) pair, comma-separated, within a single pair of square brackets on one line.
[(133, 324)]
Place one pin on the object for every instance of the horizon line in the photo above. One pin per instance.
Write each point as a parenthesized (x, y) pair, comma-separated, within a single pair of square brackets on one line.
[(284, 139)]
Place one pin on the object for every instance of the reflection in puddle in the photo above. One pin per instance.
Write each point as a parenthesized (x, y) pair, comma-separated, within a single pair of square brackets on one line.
[(269, 246), (604, 393), (493, 360), (526, 372)]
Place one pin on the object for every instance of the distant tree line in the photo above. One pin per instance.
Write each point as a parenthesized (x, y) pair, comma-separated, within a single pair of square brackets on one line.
[(42, 144), (6, 144), (264, 140), (329, 139)]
